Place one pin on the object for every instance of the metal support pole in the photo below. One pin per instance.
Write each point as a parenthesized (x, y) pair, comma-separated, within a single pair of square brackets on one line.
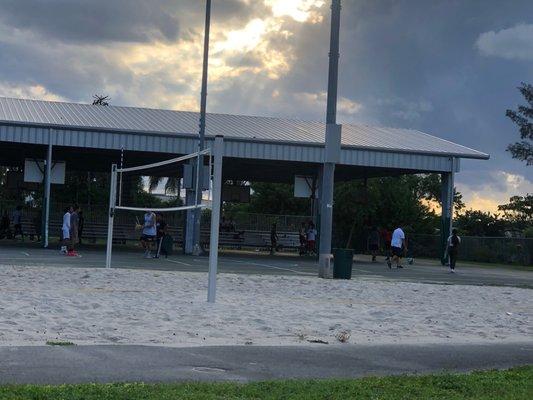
[(47, 184), (218, 150), (447, 210), (201, 141), (188, 243), (120, 180), (332, 148), (112, 204)]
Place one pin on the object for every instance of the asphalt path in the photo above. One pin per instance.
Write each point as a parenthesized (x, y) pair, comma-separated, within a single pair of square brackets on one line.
[(82, 364), (423, 271)]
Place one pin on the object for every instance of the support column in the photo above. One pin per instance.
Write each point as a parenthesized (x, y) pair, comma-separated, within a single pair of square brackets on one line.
[(332, 148), (326, 221), (112, 205), (332, 155), (447, 195), (197, 249), (46, 202), (188, 239), (218, 152)]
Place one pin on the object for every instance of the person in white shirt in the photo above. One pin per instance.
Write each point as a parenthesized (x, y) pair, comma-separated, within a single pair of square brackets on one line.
[(311, 238), (65, 230), (398, 246), (149, 232)]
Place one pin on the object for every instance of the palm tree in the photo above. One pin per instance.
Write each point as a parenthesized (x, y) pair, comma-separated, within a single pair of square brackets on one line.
[(172, 184)]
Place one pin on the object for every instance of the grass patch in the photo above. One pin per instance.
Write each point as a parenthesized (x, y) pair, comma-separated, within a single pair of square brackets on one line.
[(516, 383), (59, 343)]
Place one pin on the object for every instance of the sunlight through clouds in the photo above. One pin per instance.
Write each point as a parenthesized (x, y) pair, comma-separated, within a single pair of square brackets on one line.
[(299, 10), (245, 39)]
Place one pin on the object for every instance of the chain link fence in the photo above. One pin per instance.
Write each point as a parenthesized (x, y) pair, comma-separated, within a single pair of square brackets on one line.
[(501, 250)]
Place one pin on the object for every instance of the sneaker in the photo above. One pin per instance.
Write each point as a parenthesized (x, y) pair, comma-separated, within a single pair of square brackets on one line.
[(147, 255), (399, 266), (72, 253), (452, 271), (389, 264)]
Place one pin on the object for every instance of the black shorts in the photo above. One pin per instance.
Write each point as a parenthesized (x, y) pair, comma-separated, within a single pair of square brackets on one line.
[(397, 251), (147, 238)]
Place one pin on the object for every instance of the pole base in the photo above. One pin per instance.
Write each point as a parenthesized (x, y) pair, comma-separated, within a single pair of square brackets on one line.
[(325, 266)]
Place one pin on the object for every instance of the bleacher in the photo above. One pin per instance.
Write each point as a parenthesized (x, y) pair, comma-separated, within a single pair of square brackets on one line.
[(123, 233)]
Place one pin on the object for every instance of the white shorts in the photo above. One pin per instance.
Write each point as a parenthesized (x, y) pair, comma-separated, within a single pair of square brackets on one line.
[(66, 233)]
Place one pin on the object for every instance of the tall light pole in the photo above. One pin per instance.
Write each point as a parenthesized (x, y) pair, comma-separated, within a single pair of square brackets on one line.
[(332, 148), (201, 135)]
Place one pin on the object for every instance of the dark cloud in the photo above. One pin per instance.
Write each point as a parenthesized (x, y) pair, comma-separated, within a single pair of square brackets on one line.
[(410, 64), (95, 20)]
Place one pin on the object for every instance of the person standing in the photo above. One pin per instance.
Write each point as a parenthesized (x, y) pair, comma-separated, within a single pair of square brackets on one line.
[(386, 237), (81, 222), (273, 238), (311, 238), (149, 232), (452, 248), (65, 230), (74, 227), (4, 226), (17, 222), (161, 226), (302, 234), (398, 246), (373, 243)]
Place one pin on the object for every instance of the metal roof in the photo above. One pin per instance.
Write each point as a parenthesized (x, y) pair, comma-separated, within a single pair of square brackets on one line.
[(236, 127)]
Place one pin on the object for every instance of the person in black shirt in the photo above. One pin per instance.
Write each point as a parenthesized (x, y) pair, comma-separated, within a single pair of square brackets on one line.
[(161, 232), (273, 239)]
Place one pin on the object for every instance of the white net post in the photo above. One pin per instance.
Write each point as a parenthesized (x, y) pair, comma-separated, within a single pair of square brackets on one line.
[(218, 150), (112, 205)]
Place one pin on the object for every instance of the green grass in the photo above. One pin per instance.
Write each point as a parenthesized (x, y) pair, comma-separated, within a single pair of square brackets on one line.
[(516, 383)]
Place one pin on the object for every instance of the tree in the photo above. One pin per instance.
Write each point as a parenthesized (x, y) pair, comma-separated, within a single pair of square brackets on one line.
[(172, 184), (479, 223), (276, 198), (519, 210), (430, 188), (523, 117)]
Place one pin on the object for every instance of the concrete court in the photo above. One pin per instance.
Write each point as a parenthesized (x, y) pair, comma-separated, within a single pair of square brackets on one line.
[(79, 364), (424, 271)]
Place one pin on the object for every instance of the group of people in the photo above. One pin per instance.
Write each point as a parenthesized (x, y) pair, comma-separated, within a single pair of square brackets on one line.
[(154, 231), (397, 242), (307, 235), (227, 225), (71, 230), (5, 224)]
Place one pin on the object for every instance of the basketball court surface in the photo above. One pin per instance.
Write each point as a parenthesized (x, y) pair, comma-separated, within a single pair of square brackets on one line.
[(236, 262)]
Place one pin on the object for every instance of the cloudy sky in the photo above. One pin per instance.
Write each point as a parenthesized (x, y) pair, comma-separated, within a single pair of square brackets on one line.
[(449, 68)]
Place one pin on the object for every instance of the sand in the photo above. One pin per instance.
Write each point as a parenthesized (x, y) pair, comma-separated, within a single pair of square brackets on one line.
[(98, 306)]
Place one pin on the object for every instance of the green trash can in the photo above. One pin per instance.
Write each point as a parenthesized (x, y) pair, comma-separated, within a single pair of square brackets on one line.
[(342, 263)]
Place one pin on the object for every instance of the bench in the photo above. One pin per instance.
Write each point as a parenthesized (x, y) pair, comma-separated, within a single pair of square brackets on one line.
[(123, 233)]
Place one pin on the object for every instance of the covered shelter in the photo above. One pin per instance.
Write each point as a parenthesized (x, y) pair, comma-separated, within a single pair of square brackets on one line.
[(90, 137)]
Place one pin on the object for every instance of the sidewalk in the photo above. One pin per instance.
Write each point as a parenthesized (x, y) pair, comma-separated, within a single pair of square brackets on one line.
[(80, 364)]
